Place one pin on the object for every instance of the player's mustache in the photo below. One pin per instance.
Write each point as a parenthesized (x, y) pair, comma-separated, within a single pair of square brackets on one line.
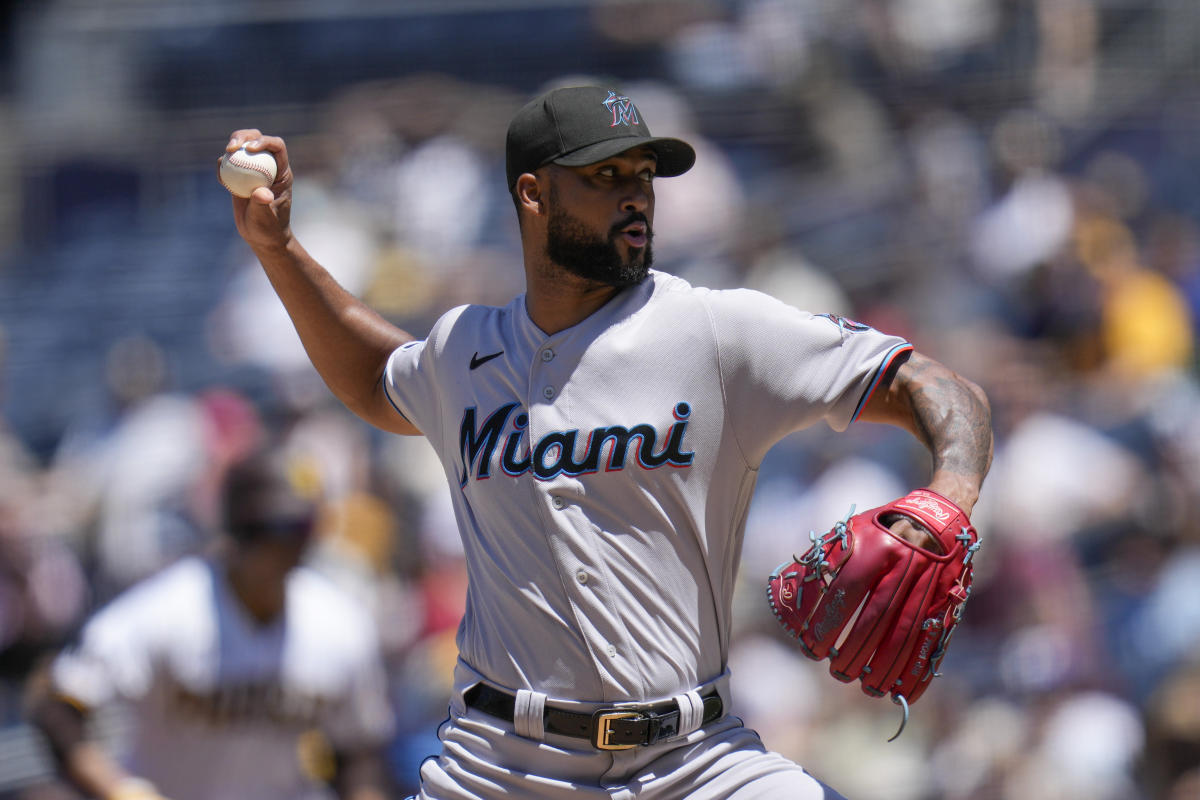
[(636, 216)]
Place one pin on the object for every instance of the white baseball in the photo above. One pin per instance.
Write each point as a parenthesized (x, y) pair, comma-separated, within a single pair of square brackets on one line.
[(242, 172)]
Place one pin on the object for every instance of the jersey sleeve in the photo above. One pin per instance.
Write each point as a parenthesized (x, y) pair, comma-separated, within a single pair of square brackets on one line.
[(410, 377), (784, 369), (113, 658)]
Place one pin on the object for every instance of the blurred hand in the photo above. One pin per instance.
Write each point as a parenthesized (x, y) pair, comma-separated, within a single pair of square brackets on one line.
[(264, 218), (134, 789), (913, 533)]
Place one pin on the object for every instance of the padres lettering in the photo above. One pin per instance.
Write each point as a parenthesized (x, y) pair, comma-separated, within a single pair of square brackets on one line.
[(252, 701), (554, 453)]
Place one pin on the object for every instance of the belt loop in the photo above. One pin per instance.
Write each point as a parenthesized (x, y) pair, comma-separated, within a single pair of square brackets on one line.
[(691, 711), (529, 714)]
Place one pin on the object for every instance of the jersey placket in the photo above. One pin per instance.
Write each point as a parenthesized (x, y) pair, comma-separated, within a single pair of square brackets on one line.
[(582, 573)]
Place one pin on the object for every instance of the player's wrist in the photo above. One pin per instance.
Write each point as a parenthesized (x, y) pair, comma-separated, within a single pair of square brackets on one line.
[(281, 246), (961, 491)]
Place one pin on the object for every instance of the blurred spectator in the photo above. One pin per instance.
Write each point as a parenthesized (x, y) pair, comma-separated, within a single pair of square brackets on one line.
[(1173, 249), (1064, 77), (43, 591), (1033, 219), (131, 474), (1173, 746), (1146, 326), (1087, 745)]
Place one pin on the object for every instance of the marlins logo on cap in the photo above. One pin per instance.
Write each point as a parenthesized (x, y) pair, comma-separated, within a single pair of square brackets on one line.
[(623, 110)]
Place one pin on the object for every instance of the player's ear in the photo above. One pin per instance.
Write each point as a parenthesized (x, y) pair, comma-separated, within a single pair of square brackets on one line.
[(528, 191)]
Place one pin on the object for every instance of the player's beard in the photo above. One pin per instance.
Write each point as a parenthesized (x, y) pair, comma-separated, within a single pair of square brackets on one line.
[(571, 245)]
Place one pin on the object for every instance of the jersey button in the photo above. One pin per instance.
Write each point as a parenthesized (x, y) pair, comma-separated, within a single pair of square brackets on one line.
[(547, 354), (548, 393), (611, 650), (558, 502), (581, 576)]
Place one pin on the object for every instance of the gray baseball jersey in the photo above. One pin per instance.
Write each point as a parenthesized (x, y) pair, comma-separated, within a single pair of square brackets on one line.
[(601, 476)]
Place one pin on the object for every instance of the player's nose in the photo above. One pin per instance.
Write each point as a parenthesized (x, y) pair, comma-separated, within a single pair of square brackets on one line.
[(636, 197)]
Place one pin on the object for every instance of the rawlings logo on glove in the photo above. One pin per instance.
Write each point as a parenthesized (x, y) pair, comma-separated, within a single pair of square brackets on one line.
[(881, 609)]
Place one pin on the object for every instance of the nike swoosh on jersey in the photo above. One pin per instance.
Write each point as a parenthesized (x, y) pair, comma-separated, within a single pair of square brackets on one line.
[(478, 361)]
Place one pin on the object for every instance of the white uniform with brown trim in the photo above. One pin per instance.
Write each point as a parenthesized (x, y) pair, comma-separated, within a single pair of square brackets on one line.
[(601, 478), (219, 702)]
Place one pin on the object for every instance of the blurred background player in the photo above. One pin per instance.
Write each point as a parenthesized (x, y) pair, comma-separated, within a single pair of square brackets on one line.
[(247, 674)]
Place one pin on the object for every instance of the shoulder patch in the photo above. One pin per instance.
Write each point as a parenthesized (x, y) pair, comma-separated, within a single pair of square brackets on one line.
[(845, 323)]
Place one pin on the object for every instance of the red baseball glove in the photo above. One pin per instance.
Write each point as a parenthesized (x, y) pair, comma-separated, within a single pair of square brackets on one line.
[(881, 609)]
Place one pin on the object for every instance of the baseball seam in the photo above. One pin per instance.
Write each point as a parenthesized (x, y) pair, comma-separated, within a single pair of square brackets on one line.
[(235, 159)]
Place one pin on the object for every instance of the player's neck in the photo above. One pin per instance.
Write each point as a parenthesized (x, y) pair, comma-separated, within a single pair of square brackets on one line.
[(556, 299), (262, 599)]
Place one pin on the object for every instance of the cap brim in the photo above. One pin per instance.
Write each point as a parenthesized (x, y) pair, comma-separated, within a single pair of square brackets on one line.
[(675, 156)]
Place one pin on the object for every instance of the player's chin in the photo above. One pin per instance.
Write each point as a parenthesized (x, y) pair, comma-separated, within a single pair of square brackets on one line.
[(630, 272), (629, 278), (636, 261)]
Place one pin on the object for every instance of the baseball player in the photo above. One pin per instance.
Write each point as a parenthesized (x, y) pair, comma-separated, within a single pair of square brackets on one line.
[(601, 435), (228, 664)]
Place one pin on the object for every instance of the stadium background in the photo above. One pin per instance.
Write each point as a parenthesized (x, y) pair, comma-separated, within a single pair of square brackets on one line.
[(1013, 184)]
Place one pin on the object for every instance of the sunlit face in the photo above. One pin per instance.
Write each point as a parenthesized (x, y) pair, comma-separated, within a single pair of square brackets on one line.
[(600, 217)]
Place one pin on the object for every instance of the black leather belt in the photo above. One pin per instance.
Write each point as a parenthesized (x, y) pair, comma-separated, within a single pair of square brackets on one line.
[(606, 728)]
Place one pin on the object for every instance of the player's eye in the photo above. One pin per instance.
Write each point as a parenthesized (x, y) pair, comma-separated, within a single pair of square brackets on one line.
[(646, 175), (607, 171)]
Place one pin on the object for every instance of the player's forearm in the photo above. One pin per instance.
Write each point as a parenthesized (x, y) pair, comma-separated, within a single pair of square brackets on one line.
[(951, 416), (79, 761), (90, 769), (346, 340)]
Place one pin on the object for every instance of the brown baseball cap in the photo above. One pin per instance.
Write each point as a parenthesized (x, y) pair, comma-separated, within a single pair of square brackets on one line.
[(580, 125), (263, 499)]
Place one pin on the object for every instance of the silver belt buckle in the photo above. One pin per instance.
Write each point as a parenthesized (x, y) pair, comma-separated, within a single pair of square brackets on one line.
[(604, 721)]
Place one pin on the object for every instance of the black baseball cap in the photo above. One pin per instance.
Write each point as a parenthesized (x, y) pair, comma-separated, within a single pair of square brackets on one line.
[(580, 125)]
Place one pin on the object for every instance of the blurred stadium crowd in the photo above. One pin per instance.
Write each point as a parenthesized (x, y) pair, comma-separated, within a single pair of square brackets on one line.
[(1012, 184)]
